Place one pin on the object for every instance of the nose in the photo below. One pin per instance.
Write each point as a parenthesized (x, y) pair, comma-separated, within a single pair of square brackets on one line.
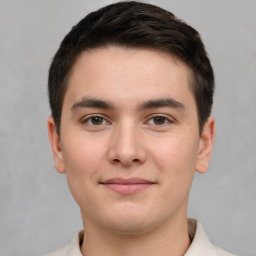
[(126, 147)]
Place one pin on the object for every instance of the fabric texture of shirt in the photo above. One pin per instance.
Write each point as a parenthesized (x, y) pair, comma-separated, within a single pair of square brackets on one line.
[(200, 246)]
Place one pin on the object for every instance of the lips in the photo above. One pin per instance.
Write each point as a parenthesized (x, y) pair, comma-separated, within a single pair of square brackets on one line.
[(127, 186)]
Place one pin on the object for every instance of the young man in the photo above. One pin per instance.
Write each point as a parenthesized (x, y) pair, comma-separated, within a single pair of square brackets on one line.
[(131, 91)]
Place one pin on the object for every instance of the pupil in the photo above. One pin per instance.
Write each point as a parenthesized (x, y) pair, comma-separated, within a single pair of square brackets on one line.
[(159, 120), (97, 120)]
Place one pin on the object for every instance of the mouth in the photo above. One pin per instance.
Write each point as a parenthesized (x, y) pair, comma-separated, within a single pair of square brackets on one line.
[(127, 186)]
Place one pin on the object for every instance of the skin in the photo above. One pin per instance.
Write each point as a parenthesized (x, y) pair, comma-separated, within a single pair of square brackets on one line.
[(130, 113)]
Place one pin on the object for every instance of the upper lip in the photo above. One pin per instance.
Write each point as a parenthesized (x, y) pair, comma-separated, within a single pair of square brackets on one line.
[(127, 181)]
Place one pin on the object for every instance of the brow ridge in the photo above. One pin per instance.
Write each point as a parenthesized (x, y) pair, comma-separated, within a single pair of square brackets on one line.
[(92, 103), (86, 102), (158, 103)]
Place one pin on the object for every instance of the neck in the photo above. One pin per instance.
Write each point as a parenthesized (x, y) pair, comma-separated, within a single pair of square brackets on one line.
[(170, 239)]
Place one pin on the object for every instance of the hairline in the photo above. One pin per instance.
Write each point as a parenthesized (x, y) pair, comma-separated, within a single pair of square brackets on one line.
[(66, 79)]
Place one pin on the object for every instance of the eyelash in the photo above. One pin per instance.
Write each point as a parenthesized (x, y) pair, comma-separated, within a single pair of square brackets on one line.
[(89, 120), (165, 120)]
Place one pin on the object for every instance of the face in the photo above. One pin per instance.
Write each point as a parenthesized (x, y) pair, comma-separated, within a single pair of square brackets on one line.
[(129, 138)]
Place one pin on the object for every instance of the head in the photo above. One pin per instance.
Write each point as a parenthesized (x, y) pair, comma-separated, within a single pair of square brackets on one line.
[(131, 92), (133, 25)]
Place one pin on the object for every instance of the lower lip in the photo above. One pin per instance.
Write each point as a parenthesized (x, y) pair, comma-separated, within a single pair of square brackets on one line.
[(128, 188)]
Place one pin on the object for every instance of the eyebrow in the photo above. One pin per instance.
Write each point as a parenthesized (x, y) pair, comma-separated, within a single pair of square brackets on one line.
[(158, 103), (102, 104), (92, 103)]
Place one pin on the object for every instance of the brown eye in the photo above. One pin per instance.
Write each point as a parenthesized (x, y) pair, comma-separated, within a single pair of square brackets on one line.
[(96, 120), (159, 120)]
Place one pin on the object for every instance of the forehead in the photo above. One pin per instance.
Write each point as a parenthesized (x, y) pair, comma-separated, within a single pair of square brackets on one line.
[(127, 74)]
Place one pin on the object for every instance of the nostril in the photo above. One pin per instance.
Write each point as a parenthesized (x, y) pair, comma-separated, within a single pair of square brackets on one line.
[(127, 162)]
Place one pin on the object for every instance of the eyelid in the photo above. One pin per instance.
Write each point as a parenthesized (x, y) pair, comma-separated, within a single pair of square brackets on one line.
[(86, 118), (168, 118)]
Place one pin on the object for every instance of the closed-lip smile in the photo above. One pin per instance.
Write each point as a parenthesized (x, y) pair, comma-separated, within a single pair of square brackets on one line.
[(127, 186)]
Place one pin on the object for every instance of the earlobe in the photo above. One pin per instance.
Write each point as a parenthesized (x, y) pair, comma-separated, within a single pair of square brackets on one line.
[(54, 139), (206, 145)]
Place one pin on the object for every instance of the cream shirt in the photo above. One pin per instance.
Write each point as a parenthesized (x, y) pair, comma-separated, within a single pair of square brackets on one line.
[(200, 246)]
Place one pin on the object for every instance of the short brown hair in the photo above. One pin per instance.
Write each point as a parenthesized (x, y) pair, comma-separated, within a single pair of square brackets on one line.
[(137, 25)]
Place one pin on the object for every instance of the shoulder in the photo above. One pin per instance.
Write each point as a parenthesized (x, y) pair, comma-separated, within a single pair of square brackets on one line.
[(59, 252), (201, 244), (221, 252), (71, 249)]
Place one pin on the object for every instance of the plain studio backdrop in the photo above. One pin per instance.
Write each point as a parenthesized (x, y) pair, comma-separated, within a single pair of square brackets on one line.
[(37, 212)]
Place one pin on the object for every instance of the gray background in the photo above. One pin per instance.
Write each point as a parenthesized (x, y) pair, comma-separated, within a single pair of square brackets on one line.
[(37, 213)]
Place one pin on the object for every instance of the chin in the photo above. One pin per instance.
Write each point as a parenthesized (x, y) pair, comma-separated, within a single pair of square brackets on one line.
[(130, 222), (129, 227)]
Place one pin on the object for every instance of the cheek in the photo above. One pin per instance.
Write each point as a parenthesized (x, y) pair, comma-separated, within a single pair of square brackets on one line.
[(176, 159), (82, 158), (175, 153), (82, 162), (81, 154)]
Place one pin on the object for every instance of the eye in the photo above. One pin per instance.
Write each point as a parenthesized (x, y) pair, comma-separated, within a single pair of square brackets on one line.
[(159, 120), (94, 121)]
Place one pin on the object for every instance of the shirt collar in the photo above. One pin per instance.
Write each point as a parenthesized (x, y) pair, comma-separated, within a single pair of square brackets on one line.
[(200, 245)]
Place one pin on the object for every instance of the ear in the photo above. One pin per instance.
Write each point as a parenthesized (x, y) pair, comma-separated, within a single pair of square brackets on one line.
[(205, 146), (56, 145)]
